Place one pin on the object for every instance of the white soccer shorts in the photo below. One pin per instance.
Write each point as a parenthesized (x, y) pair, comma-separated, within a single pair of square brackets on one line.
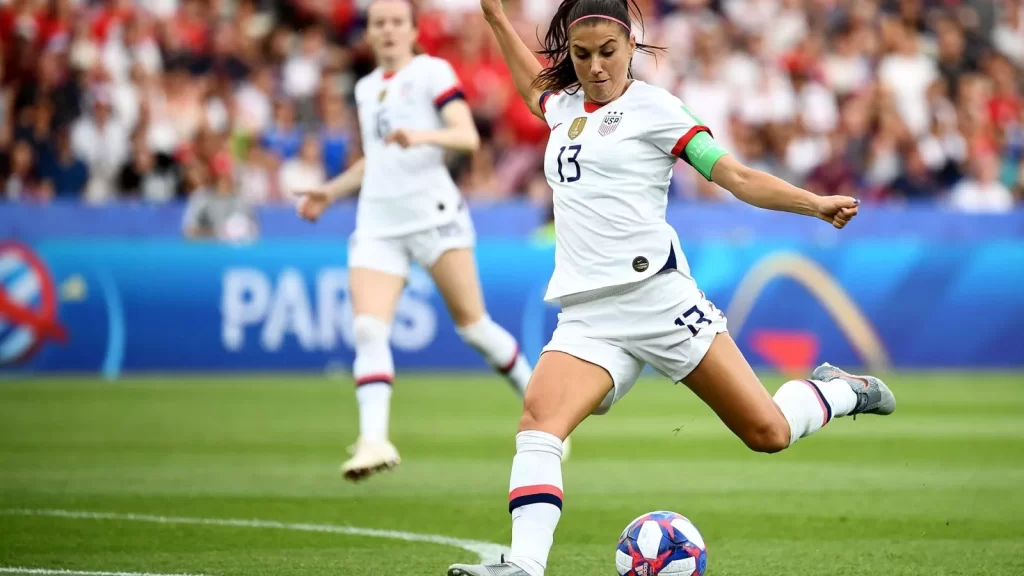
[(664, 322), (395, 255)]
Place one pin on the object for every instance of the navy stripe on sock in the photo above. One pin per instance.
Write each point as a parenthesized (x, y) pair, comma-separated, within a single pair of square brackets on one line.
[(542, 498), (828, 407)]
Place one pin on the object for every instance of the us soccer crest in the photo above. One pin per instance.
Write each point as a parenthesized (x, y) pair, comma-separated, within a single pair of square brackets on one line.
[(576, 128), (610, 123)]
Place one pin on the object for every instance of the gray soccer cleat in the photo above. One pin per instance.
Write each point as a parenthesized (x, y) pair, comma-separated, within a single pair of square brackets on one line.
[(501, 569), (873, 396)]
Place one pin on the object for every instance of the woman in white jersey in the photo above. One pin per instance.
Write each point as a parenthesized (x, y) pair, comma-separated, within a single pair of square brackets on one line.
[(620, 277), (411, 111)]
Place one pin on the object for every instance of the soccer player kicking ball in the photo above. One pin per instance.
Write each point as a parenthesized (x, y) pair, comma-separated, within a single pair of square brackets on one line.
[(620, 277), (411, 111)]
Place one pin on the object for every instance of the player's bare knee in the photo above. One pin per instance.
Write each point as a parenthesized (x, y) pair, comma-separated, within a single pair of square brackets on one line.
[(768, 437), (537, 416), (368, 330), (475, 332)]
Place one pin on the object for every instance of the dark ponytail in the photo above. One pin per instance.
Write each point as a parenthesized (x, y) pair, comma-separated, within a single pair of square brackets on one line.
[(560, 74)]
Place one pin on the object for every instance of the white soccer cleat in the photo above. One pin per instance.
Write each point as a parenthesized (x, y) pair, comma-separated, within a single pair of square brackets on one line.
[(370, 458)]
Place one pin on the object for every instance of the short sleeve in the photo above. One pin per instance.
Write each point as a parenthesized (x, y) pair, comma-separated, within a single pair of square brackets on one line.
[(443, 83), (673, 126), (549, 103)]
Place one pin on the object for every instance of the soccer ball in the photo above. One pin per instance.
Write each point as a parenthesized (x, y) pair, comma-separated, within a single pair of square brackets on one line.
[(661, 544)]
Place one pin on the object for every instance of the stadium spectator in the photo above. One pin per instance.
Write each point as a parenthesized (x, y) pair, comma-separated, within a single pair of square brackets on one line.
[(982, 192), (20, 179), (255, 176), (916, 183), (63, 174), (335, 136), (284, 137), (305, 171), (101, 141), (218, 212), (148, 175)]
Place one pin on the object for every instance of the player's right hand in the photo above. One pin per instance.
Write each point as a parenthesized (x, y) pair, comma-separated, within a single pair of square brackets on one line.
[(837, 210), (312, 204), (491, 8)]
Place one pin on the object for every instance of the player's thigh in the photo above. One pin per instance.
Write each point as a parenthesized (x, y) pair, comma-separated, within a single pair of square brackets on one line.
[(377, 274), (563, 391), (684, 336), (725, 381), (447, 253), (455, 274), (580, 372)]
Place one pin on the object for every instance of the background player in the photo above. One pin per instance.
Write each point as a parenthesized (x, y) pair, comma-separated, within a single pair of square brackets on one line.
[(411, 111), (624, 286)]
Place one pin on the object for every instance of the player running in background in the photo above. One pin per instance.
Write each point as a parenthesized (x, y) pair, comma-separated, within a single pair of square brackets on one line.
[(620, 277), (411, 111)]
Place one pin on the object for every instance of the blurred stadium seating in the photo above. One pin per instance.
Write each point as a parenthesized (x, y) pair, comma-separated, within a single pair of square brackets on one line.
[(164, 100)]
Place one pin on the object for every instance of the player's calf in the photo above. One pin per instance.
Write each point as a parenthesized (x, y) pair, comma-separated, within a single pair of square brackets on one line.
[(768, 436)]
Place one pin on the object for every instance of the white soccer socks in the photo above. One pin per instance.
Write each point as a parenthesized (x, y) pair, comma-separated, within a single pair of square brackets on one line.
[(535, 499), (373, 371), (810, 404), (500, 349)]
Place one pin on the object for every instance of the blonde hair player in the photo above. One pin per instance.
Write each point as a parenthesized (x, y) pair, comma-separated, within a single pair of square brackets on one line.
[(624, 286), (411, 111)]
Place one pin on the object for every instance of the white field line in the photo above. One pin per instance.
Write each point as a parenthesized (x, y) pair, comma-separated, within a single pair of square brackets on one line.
[(487, 551), (20, 570)]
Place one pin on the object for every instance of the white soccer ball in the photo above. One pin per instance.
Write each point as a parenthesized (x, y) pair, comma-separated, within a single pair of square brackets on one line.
[(661, 544)]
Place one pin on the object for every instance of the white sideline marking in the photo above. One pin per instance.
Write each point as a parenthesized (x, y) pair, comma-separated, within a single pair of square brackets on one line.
[(20, 570), (487, 551)]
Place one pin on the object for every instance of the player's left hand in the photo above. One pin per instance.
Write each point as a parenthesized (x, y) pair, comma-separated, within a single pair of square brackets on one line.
[(837, 210), (405, 138)]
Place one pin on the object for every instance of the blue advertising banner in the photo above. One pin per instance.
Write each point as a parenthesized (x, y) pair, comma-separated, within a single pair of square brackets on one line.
[(113, 306)]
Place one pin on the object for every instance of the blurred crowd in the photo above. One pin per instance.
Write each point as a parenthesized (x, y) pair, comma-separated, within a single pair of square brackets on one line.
[(236, 103)]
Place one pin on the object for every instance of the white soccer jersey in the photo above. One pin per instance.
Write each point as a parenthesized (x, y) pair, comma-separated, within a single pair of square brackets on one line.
[(405, 190), (609, 167)]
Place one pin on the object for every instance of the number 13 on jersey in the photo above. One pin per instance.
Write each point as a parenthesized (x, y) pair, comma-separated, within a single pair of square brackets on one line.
[(574, 150)]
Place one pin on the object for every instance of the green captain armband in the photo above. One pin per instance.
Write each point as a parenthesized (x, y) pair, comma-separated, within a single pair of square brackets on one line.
[(702, 152)]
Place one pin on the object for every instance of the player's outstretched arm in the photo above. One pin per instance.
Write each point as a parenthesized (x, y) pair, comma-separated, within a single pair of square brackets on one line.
[(521, 61), (766, 191), (313, 203)]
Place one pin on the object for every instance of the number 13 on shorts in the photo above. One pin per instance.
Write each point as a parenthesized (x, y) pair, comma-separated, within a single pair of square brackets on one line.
[(698, 315)]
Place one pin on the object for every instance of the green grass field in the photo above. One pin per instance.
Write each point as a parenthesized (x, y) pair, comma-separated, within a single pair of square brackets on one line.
[(935, 489)]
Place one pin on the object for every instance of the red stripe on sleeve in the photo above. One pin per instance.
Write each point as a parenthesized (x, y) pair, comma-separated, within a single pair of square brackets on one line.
[(536, 489), (446, 95), (677, 150)]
